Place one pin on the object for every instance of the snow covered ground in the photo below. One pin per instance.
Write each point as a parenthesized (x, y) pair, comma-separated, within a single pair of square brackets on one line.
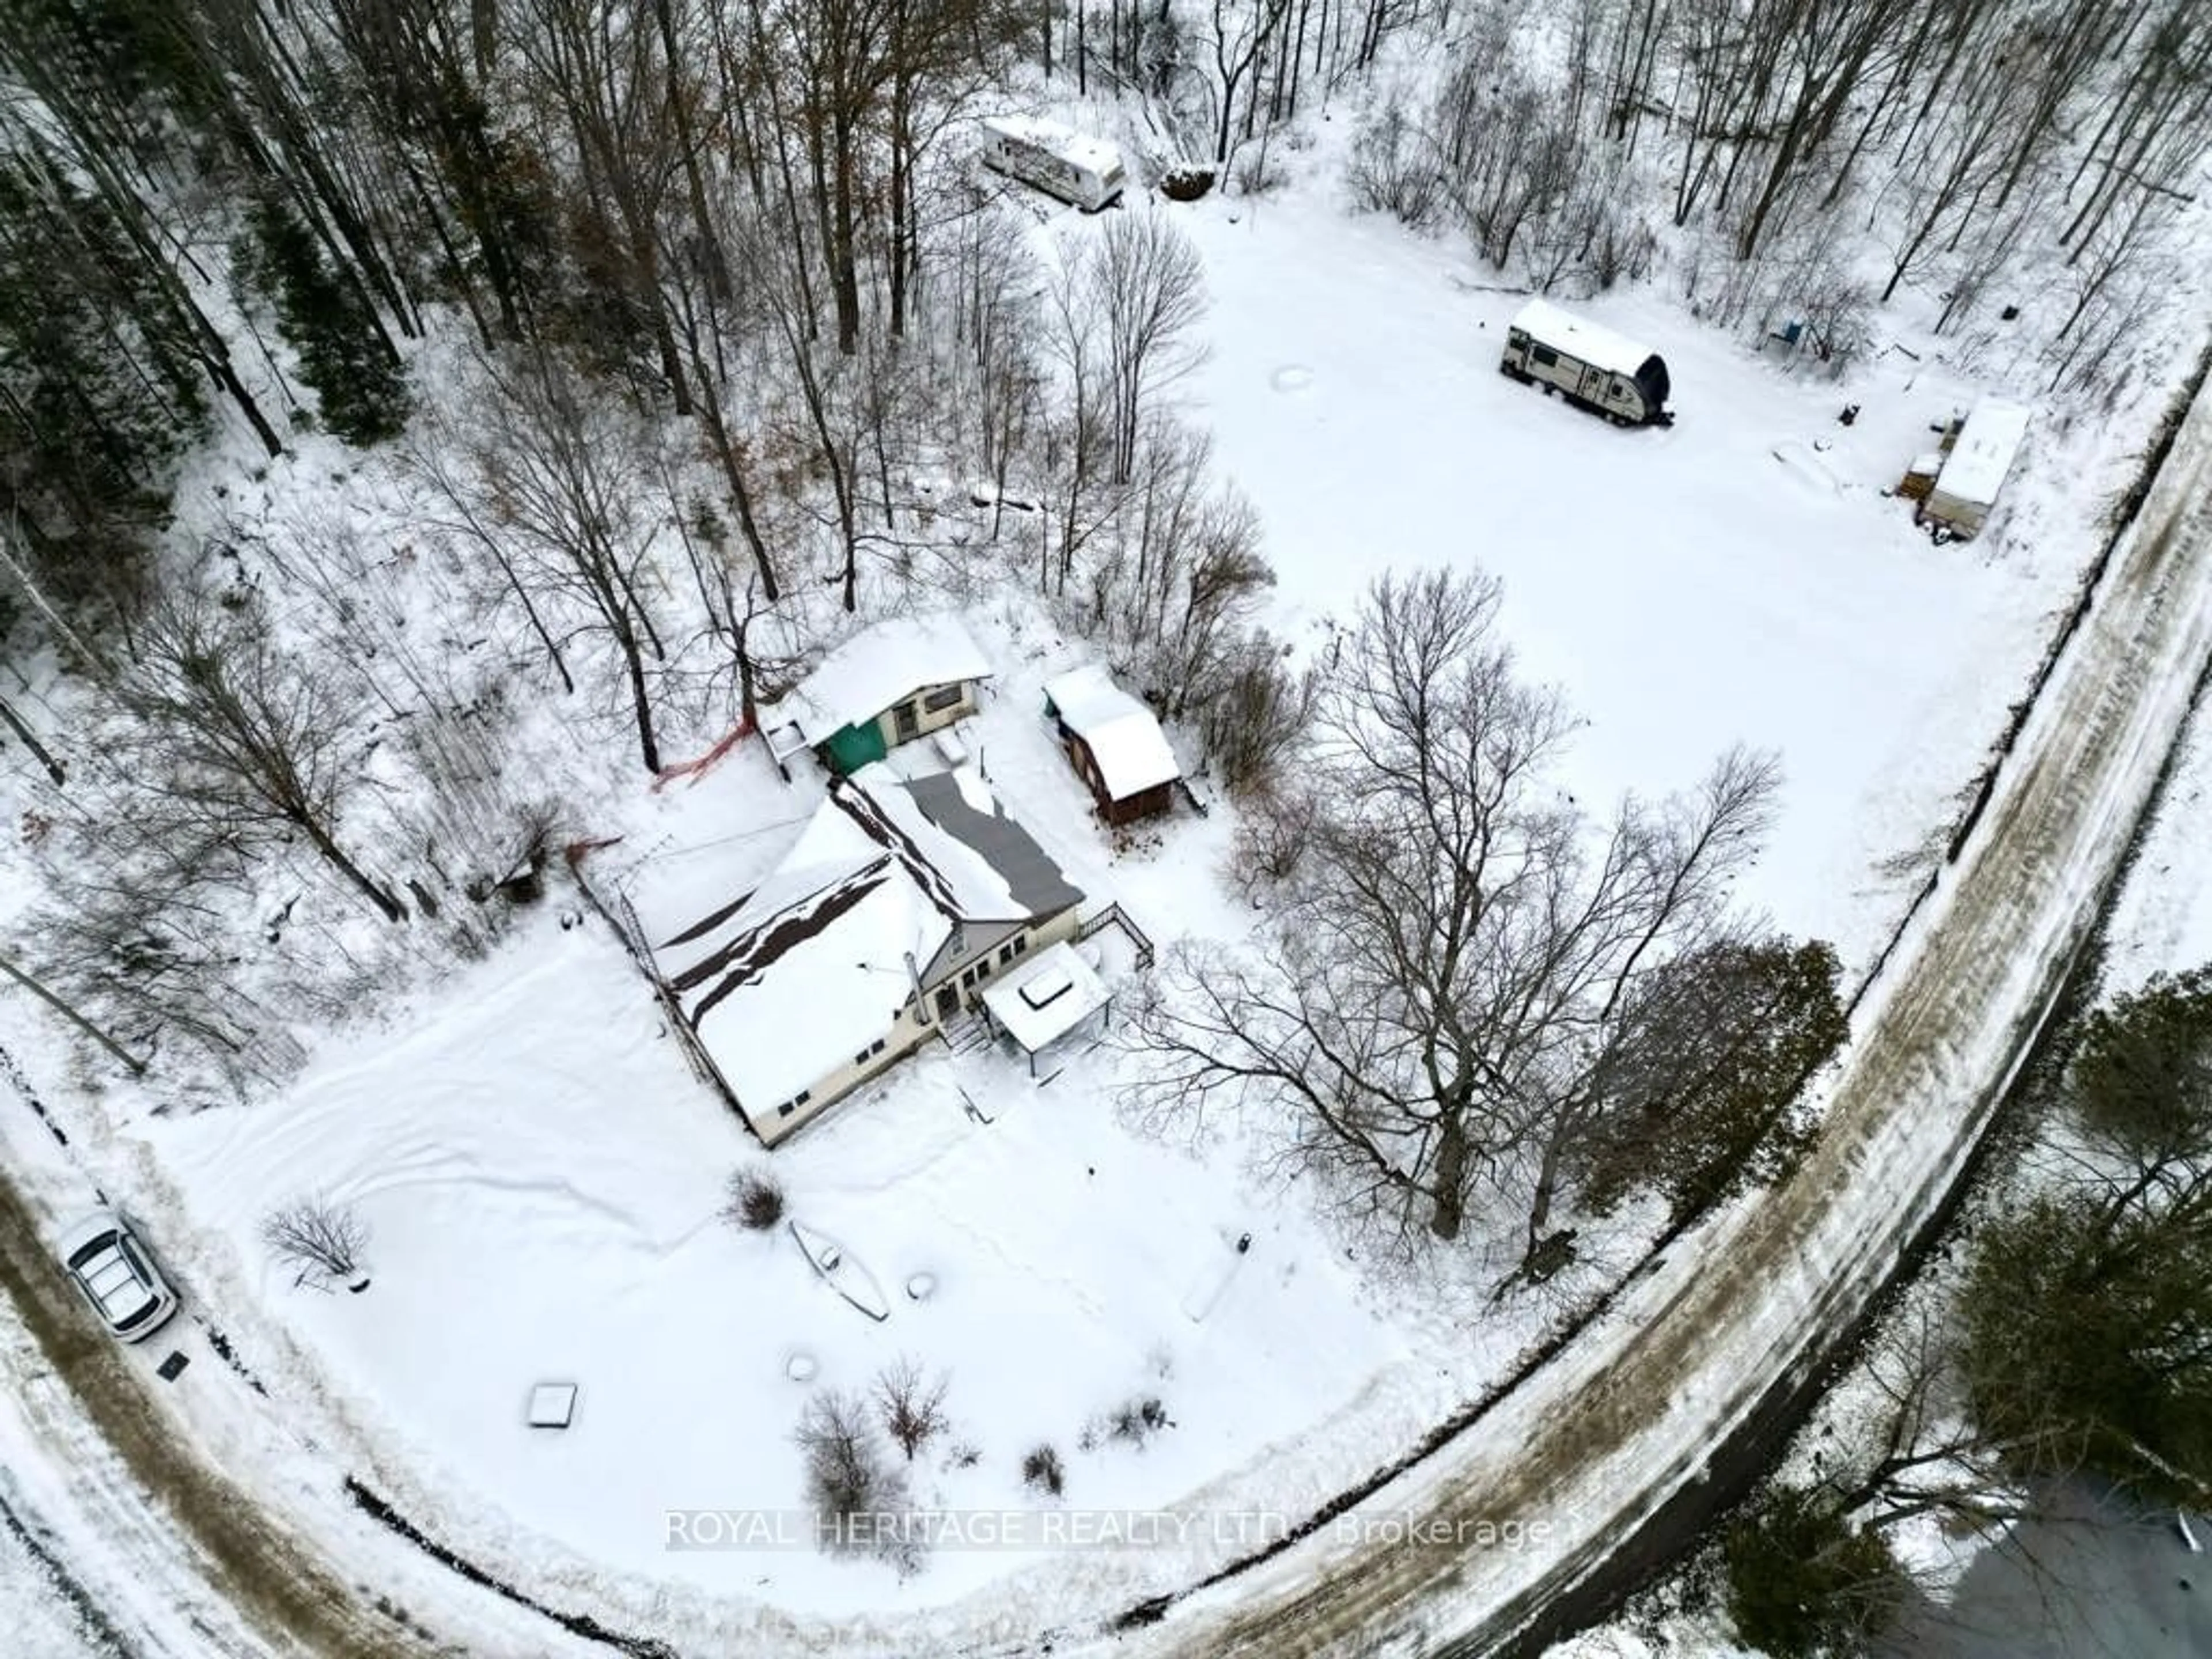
[(38, 1615), (541, 1172)]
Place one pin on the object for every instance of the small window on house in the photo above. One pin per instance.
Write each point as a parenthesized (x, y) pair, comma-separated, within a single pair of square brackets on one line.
[(802, 1096), (787, 1108), (877, 1046), (1021, 943), (1006, 954), (944, 697), (1544, 356)]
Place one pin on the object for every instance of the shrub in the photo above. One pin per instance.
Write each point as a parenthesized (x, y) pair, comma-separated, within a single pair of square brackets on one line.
[(1802, 1583), (850, 1478), (321, 1241), (1393, 170), (1252, 709), (1278, 822), (1186, 181), (1135, 1421), (1256, 172), (756, 1200), (1042, 1471), (913, 1409)]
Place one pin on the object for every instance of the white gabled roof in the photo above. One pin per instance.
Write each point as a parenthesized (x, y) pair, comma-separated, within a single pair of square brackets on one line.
[(1594, 344), (881, 665), (809, 969), (1080, 148), (1975, 469), (1046, 996), (1127, 742), (799, 977)]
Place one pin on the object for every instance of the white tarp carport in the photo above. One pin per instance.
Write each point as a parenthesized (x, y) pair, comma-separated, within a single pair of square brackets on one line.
[(1044, 998)]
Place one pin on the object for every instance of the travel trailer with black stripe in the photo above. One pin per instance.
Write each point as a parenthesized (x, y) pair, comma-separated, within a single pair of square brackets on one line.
[(1592, 366), (1076, 167)]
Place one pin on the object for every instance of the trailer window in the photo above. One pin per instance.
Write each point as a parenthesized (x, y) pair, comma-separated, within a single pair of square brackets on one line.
[(1544, 356)]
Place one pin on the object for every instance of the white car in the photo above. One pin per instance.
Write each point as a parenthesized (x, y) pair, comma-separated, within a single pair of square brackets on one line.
[(117, 1275)]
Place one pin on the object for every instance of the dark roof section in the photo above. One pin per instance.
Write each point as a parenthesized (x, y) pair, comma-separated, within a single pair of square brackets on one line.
[(1031, 877), (864, 811)]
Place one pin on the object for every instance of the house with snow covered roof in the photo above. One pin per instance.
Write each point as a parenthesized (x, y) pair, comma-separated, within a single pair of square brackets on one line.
[(890, 683), (1115, 744), (900, 901)]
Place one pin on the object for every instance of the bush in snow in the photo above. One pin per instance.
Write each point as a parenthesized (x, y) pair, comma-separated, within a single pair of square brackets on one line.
[(1135, 1421), (321, 1241), (913, 1408), (1186, 181), (1802, 1581), (1394, 169), (1277, 821), (1252, 710), (851, 1483), (1042, 1471), (756, 1200)]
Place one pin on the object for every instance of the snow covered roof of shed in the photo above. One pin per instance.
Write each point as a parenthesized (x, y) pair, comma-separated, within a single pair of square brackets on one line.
[(798, 978), (1123, 738), (1592, 342), (1975, 470), (881, 665), (1080, 148), (1046, 997), (978, 864)]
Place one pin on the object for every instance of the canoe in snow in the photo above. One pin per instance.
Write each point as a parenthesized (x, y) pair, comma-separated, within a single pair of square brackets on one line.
[(840, 1272)]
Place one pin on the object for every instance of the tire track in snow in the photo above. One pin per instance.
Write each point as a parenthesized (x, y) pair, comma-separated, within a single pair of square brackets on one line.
[(92, 1622)]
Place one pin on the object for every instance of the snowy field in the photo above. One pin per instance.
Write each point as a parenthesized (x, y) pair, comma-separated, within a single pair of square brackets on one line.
[(541, 1172)]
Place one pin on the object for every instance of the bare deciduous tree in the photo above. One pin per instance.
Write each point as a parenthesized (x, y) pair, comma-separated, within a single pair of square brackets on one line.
[(253, 744), (851, 1483), (912, 1405), (1143, 284), (1456, 951), (553, 491)]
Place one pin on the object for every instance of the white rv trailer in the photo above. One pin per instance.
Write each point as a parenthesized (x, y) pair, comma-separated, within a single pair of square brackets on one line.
[(1593, 366), (1058, 160)]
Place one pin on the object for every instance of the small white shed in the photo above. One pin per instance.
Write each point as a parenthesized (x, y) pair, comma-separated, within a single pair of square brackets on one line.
[(1975, 470)]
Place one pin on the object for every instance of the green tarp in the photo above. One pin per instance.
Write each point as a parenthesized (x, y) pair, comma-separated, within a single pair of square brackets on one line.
[(852, 747)]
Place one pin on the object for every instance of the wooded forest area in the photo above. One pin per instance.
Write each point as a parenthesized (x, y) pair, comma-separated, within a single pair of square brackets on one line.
[(652, 306)]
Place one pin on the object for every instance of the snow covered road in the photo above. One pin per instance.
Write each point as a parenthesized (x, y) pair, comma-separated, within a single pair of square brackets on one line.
[(1630, 1414)]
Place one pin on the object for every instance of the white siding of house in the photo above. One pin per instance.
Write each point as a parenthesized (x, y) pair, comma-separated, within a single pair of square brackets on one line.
[(907, 1033), (926, 720)]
